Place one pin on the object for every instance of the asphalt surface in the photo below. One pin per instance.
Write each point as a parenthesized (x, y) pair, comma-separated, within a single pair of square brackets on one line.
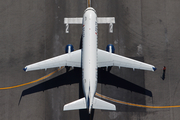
[(145, 30)]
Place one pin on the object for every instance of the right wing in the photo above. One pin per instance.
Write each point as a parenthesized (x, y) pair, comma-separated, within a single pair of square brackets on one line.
[(72, 59), (106, 59)]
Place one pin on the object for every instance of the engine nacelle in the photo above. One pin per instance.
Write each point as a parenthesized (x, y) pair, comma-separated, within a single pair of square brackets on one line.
[(110, 48), (69, 48)]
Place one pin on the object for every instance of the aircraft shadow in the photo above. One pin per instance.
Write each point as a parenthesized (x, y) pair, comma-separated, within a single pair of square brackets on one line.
[(105, 77), (75, 76), (68, 78)]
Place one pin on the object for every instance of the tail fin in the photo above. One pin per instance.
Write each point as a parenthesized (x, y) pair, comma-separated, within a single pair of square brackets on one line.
[(78, 104), (100, 104)]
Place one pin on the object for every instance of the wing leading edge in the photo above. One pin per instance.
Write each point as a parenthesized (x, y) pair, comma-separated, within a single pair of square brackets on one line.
[(72, 59), (106, 59)]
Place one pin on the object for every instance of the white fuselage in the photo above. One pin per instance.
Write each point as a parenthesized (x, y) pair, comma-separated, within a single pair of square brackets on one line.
[(89, 55)]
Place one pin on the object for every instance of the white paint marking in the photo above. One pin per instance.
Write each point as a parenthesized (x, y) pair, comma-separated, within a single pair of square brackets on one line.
[(67, 28), (116, 41), (111, 28), (100, 20), (105, 20), (139, 50), (73, 20)]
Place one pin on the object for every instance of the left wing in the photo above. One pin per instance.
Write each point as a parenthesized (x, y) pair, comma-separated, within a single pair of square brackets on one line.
[(72, 59), (106, 59)]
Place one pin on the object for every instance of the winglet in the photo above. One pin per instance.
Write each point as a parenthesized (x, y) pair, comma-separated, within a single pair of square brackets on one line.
[(154, 68), (25, 69)]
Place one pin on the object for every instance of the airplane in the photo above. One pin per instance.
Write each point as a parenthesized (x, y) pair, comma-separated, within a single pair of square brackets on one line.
[(89, 58)]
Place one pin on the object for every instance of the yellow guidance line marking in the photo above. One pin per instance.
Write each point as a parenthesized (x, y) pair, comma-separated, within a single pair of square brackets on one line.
[(42, 78), (89, 3), (132, 104)]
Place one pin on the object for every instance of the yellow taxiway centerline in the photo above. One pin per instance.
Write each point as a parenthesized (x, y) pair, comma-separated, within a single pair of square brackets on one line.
[(132, 104), (89, 3), (42, 78)]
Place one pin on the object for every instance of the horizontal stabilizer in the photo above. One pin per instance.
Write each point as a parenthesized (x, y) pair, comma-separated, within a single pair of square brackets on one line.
[(100, 104), (78, 104)]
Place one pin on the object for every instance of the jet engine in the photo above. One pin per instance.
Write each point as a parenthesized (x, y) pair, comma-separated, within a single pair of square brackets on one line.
[(69, 48), (110, 48)]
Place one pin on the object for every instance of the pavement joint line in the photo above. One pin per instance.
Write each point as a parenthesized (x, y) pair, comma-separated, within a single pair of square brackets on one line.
[(42, 78), (132, 104)]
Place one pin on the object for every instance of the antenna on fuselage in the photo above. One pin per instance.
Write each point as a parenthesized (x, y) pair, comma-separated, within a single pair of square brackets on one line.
[(88, 3)]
